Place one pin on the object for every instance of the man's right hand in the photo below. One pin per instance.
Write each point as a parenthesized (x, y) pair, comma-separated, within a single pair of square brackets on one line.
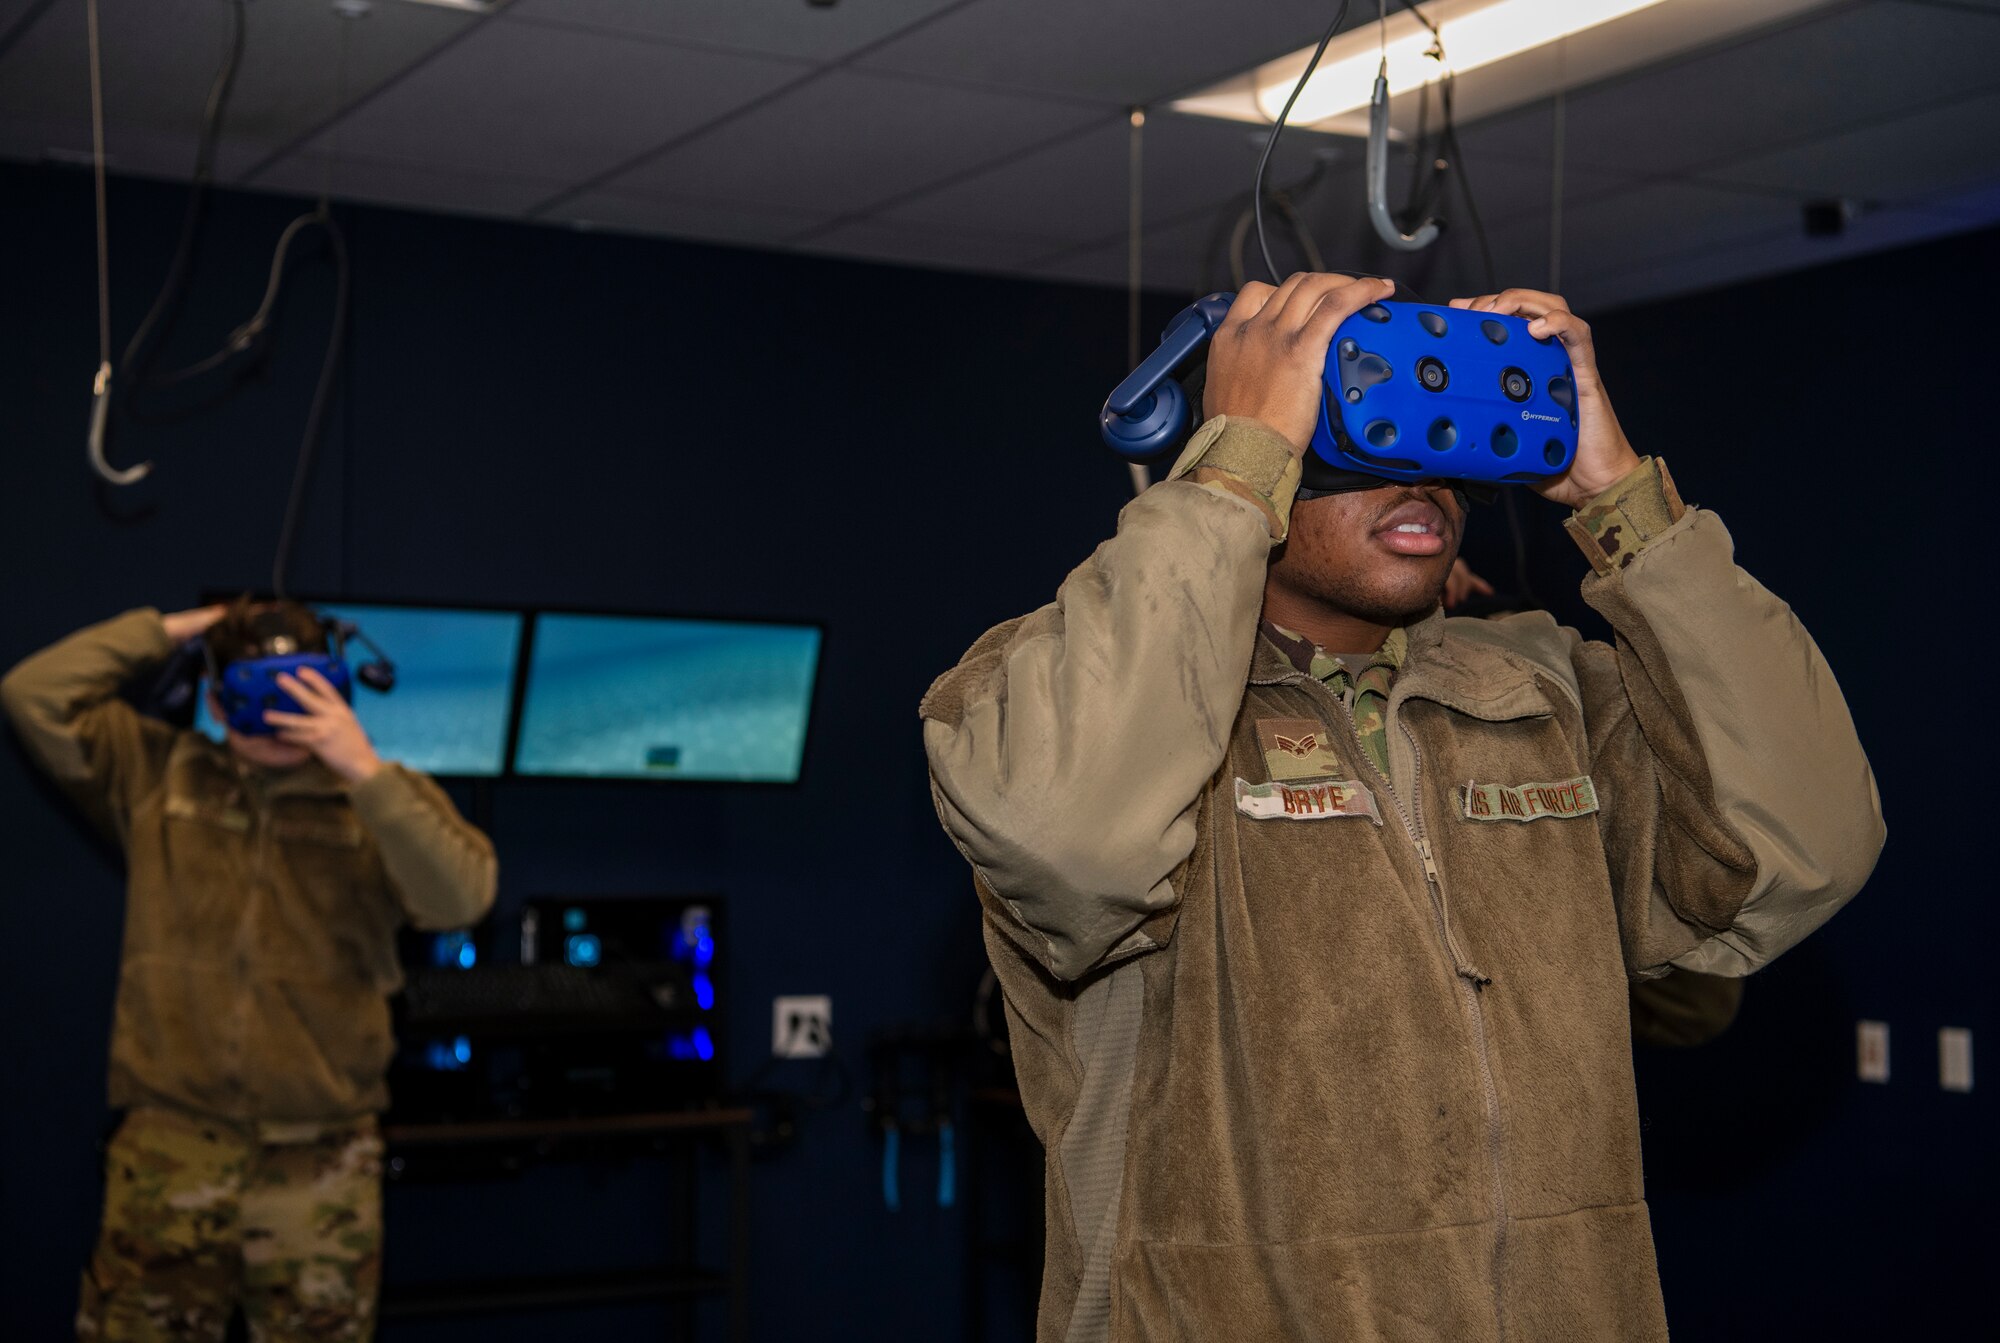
[(1269, 355), (185, 625)]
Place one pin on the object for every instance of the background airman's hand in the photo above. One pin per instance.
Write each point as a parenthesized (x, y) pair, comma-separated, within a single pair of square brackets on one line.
[(185, 625), (327, 728), (1461, 583)]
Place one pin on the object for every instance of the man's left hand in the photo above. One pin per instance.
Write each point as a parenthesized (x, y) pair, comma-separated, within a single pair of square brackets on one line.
[(1604, 456), (327, 728)]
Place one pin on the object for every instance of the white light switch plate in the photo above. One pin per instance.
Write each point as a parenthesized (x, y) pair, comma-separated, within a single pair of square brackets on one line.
[(801, 1026), (1871, 1058), (1955, 1058)]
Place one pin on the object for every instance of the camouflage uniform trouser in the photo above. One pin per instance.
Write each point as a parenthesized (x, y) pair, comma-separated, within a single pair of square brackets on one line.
[(200, 1217)]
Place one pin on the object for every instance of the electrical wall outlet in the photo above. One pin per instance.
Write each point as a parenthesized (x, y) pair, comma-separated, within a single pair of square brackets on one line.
[(1955, 1058), (801, 1026), (1871, 1057)]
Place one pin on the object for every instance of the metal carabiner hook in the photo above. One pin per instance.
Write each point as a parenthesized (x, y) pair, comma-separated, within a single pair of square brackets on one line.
[(1378, 175), (100, 416)]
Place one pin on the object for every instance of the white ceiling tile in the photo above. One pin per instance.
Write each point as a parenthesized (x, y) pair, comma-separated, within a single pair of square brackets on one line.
[(13, 12), (1120, 51), (1509, 183), (1722, 265), (847, 141), (747, 225), (776, 27), (539, 102), (1013, 156), (1979, 204), (1846, 68), (950, 249), (1170, 259), (1080, 187), (161, 56), (138, 151), (1894, 161), (1641, 227), (445, 190)]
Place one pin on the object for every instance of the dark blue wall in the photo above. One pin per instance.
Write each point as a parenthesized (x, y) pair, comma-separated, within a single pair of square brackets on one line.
[(543, 417), (539, 417), (1834, 419)]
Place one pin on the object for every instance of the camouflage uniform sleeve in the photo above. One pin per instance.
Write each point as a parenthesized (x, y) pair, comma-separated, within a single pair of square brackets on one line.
[(1615, 526), (1254, 463)]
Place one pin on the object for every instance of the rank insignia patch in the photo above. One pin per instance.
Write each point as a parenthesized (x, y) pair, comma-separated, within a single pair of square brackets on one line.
[(1297, 748), (1323, 801), (1530, 801)]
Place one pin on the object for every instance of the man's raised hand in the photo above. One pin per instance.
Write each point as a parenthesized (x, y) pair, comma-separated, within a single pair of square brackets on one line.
[(1604, 456), (1268, 358)]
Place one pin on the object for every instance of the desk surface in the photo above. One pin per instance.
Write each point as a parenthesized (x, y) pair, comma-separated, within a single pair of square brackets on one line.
[(507, 1130)]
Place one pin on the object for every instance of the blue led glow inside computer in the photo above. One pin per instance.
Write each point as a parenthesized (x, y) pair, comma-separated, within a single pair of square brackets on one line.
[(583, 949), (448, 1056), (454, 950), (694, 1044), (620, 697)]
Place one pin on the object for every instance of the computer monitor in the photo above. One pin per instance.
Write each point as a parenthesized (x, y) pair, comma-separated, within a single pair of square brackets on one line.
[(647, 697), (454, 685)]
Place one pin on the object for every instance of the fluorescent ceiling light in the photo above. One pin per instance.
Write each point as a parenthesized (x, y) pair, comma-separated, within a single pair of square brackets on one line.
[(1471, 39), (1621, 34)]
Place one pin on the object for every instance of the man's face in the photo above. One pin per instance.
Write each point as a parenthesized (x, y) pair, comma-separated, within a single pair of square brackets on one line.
[(263, 752), (1381, 555)]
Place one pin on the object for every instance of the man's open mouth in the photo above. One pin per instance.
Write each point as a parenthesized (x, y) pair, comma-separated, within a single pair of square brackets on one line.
[(1415, 528)]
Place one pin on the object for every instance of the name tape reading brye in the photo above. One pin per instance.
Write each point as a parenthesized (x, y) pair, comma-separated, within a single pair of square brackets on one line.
[(1325, 800)]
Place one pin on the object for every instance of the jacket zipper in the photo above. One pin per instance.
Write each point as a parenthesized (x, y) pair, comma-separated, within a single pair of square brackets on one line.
[(1473, 984), (1470, 980)]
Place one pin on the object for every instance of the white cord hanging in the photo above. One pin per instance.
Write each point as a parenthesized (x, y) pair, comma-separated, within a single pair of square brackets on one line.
[(1135, 236)]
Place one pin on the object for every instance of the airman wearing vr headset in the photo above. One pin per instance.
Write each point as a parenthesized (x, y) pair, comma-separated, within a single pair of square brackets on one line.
[(266, 878), (1315, 909)]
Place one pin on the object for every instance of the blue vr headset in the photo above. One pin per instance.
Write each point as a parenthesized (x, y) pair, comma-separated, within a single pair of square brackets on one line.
[(247, 687), (1412, 391)]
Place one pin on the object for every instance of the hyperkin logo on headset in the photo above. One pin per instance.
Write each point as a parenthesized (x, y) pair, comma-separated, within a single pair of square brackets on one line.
[(1531, 415), (1297, 748)]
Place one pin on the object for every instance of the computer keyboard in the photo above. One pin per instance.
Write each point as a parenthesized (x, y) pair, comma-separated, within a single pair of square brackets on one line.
[(539, 999)]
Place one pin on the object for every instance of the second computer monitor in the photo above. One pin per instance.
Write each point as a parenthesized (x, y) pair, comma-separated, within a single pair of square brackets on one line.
[(628, 697)]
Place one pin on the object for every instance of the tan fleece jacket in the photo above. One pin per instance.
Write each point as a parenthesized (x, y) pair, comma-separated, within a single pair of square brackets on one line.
[(261, 908), (1322, 1054)]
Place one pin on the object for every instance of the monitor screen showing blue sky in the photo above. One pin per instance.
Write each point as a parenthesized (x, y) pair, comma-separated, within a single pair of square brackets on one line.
[(454, 685), (653, 698)]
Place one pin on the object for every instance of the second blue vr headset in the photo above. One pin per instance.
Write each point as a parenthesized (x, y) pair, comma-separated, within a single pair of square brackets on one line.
[(247, 687)]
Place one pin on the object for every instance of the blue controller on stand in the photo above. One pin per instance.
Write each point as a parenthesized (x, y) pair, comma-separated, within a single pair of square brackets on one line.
[(1412, 391)]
